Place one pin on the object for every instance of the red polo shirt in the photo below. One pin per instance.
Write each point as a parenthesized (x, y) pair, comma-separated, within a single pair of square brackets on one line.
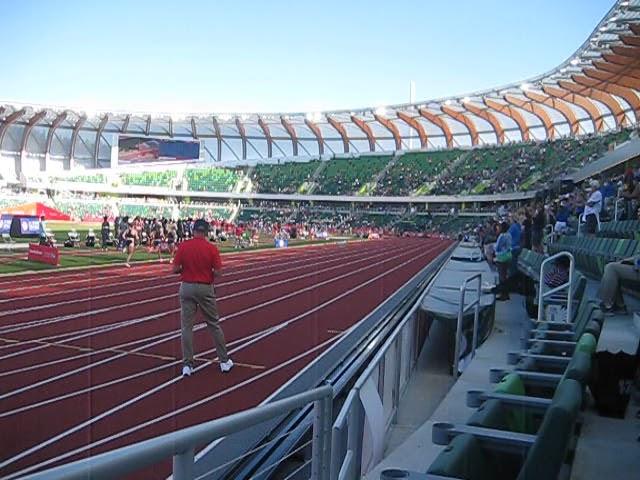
[(198, 257)]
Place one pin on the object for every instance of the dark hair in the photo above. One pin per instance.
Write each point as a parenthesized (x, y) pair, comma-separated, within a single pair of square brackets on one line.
[(504, 227), (563, 261), (104, 218)]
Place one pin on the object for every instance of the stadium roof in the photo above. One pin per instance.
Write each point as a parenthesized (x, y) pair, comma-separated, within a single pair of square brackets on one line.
[(596, 89)]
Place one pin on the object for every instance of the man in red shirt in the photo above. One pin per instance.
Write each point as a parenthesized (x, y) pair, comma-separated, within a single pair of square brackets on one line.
[(196, 261)]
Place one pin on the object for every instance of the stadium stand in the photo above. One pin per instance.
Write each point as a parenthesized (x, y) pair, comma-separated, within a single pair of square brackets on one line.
[(150, 179), (212, 179), (343, 176), (283, 178), (414, 170), (94, 178)]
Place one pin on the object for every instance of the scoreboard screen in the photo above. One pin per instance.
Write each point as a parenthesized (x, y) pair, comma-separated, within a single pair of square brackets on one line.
[(139, 150)]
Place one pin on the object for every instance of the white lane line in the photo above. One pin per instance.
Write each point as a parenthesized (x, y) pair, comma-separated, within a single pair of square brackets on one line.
[(87, 277), (47, 321), (260, 334), (222, 319), (262, 265), (135, 321), (115, 294), (145, 424)]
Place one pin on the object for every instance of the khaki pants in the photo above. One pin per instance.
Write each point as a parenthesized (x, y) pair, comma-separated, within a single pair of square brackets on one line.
[(610, 284), (192, 296)]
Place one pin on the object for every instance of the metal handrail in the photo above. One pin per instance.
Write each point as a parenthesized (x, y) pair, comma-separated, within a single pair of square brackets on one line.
[(351, 413), (615, 211), (462, 309), (182, 443), (542, 294)]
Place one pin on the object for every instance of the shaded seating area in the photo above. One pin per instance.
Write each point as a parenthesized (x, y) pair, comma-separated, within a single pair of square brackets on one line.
[(211, 179), (621, 229), (350, 176), (287, 177), (149, 179)]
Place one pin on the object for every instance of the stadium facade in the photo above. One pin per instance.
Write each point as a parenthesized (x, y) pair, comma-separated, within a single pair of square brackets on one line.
[(595, 90)]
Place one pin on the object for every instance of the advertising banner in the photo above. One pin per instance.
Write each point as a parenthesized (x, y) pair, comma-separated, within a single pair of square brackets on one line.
[(43, 254)]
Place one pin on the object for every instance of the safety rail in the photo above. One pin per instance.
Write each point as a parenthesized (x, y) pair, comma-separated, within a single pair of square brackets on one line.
[(182, 443), (543, 293), (396, 356), (462, 309), (619, 200)]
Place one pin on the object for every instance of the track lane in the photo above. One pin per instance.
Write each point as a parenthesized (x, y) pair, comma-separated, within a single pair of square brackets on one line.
[(180, 395)]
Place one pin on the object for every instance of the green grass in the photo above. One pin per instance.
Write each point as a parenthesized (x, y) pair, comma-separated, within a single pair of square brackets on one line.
[(99, 258)]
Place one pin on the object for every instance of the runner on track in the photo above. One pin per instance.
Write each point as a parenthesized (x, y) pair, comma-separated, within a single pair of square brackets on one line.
[(129, 235), (105, 232), (197, 261)]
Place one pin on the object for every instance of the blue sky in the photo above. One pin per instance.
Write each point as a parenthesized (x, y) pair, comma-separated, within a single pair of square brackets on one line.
[(276, 55)]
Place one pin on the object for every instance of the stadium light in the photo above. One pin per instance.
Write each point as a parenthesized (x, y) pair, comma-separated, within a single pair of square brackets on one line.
[(448, 102), (575, 61)]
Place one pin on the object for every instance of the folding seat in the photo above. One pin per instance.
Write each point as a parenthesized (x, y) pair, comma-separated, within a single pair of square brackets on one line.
[(490, 448)]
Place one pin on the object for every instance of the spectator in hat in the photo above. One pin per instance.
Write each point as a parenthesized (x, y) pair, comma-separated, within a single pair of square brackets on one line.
[(198, 262)]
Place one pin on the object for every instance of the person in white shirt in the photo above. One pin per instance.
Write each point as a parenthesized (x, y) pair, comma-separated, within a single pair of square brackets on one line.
[(592, 207)]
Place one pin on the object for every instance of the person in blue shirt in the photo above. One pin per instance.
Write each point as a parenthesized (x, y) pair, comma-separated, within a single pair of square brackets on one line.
[(503, 260), (515, 230)]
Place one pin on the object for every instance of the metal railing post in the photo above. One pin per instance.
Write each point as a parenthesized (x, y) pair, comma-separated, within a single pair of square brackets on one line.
[(183, 465), (325, 467), (615, 211), (476, 319), (317, 447)]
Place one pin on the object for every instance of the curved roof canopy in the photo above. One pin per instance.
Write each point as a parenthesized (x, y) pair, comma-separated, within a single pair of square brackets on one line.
[(596, 89)]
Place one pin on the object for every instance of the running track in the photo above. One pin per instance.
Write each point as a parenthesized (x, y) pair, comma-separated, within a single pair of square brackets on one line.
[(90, 360)]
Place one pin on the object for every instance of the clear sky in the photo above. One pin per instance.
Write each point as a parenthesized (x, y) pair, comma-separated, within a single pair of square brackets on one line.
[(277, 55)]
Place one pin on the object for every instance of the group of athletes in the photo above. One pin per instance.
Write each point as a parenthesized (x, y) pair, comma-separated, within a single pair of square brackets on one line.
[(162, 235)]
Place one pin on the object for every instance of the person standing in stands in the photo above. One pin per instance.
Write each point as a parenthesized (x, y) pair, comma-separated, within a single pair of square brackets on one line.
[(503, 260), (198, 262), (105, 231), (537, 227), (592, 208)]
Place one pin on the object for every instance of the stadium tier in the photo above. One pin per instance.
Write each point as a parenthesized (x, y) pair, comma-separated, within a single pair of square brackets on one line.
[(289, 177), (350, 176), (149, 179), (95, 178), (212, 179)]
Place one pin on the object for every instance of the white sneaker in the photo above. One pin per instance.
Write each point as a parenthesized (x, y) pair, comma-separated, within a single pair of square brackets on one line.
[(187, 371), (127, 265), (226, 366)]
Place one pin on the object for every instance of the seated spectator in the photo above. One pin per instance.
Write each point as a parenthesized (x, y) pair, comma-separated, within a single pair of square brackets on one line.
[(559, 274), (610, 293)]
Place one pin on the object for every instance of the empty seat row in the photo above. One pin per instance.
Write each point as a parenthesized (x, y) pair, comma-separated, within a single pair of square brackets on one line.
[(620, 229), (593, 253)]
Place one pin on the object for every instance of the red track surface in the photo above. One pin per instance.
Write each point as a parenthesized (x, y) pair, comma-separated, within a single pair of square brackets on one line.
[(90, 360)]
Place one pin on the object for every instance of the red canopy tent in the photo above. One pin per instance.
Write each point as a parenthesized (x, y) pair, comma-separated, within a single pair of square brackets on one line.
[(37, 209)]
